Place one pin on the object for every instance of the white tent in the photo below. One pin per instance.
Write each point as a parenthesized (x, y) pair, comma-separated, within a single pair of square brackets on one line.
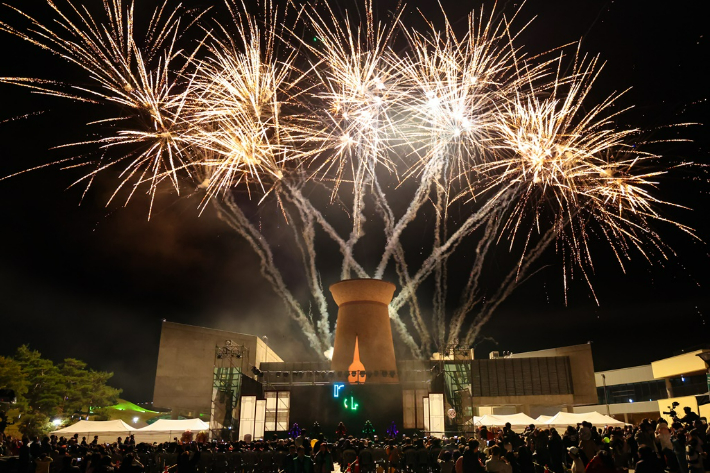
[(499, 420), (600, 419), (542, 419), (108, 431), (165, 430), (518, 422), (563, 419)]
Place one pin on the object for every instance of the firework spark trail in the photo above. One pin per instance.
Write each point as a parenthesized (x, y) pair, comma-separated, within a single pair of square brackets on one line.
[(238, 92), (556, 158), (356, 82), (124, 76)]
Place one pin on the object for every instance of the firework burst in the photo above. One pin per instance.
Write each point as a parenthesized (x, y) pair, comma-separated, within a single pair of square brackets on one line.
[(251, 104)]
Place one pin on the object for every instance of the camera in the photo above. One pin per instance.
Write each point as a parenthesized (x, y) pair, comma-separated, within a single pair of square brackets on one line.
[(671, 410)]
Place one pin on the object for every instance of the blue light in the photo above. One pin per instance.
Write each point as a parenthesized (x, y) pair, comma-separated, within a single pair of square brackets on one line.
[(631, 400), (682, 378), (336, 389)]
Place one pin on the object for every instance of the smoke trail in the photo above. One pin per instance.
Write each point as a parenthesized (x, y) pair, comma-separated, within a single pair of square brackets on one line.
[(470, 294), (404, 333), (440, 272), (236, 219), (469, 225), (306, 233), (401, 266), (306, 206), (419, 198), (358, 219), (508, 286)]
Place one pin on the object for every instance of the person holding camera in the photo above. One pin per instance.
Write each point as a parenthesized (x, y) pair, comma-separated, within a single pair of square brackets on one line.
[(690, 417)]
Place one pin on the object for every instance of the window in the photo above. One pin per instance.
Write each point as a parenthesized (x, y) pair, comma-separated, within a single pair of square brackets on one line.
[(632, 392), (278, 405), (689, 385), (283, 411)]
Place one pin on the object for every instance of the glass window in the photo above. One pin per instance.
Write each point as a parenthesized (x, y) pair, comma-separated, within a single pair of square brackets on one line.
[(283, 411)]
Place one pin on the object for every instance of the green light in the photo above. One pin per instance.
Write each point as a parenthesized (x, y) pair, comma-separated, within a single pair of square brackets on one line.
[(353, 405), (315, 39)]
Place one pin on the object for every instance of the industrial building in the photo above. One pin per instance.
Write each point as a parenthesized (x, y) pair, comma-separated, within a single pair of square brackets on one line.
[(246, 389)]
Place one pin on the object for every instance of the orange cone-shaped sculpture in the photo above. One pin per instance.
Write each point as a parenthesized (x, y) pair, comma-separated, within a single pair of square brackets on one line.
[(356, 370), (363, 333)]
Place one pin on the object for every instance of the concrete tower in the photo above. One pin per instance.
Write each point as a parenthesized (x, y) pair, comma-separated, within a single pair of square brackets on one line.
[(363, 318)]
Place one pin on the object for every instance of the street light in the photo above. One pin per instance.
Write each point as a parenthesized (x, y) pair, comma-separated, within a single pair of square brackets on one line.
[(606, 398)]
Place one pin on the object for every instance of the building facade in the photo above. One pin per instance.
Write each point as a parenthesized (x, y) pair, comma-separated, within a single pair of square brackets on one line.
[(187, 360), (649, 391)]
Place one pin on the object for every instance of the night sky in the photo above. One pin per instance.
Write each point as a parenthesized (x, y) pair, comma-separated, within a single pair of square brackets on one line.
[(94, 282)]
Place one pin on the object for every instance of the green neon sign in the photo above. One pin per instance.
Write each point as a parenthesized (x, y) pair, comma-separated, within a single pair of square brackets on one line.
[(352, 404)]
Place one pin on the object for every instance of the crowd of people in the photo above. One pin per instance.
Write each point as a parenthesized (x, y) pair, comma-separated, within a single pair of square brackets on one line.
[(653, 446)]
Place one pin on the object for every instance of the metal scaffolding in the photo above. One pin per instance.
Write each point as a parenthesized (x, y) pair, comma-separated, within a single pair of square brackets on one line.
[(456, 366), (229, 362)]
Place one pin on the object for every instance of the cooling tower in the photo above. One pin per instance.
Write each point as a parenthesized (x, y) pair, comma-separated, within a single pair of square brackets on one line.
[(363, 319)]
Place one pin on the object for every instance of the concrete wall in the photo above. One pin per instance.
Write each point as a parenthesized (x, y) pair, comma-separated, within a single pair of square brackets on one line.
[(183, 380), (618, 410), (687, 363), (581, 365), (635, 374)]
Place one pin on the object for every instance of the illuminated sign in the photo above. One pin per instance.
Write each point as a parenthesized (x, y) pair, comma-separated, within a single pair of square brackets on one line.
[(352, 405), (349, 401)]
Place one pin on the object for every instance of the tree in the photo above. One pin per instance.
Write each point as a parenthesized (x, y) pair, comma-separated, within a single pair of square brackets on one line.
[(85, 388), (11, 377), (45, 390)]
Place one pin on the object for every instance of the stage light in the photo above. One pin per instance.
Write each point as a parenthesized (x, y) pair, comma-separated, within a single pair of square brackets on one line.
[(393, 374), (135, 420), (375, 373), (257, 371), (384, 373), (331, 374), (57, 422)]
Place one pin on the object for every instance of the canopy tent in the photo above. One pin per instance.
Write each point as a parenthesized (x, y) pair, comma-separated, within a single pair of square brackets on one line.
[(518, 422), (563, 419), (164, 430), (107, 430), (499, 420), (542, 419)]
